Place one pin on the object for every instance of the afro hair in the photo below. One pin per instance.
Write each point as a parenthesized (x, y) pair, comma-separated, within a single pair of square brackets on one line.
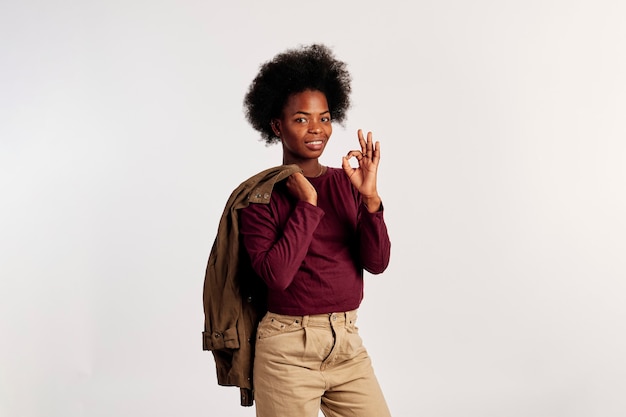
[(311, 67)]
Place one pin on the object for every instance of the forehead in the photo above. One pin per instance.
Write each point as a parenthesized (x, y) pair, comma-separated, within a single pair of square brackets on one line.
[(308, 101)]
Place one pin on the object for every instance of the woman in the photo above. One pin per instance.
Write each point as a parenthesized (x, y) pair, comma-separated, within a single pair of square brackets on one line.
[(322, 227)]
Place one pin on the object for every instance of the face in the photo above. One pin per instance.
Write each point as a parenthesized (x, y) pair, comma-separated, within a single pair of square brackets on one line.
[(305, 126)]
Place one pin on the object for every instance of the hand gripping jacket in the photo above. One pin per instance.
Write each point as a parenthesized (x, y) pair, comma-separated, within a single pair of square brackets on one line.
[(234, 297)]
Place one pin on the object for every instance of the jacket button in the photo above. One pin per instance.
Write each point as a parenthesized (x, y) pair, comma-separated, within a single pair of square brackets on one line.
[(217, 335)]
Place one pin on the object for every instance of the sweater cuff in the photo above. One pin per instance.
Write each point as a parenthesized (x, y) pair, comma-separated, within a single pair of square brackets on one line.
[(364, 210), (310, 207)]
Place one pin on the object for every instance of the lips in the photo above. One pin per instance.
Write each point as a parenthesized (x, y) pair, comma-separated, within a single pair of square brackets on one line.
[(314, 145)]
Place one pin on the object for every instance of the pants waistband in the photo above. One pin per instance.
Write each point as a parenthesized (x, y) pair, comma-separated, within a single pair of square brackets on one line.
[(344, 317)]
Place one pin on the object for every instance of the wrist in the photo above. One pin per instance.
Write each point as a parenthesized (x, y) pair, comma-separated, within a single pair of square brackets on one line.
[(372, 203)]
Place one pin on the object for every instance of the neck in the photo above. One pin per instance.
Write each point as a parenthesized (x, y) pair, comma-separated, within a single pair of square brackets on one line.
[(310, 167)]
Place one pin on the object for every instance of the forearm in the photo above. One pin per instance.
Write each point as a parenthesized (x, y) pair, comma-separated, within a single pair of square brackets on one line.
[(374, 243), (276, 255)]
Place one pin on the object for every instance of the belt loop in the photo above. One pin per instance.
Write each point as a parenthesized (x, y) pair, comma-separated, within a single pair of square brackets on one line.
[(305, 321), (350, 317)]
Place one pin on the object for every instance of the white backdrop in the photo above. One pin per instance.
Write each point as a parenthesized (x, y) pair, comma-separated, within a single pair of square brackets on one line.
[(503, 176)]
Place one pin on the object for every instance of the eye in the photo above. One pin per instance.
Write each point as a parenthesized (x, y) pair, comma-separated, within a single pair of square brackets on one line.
[(326, 119), (300, 120)]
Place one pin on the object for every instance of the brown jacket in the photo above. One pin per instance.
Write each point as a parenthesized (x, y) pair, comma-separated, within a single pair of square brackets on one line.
[(234, 297)]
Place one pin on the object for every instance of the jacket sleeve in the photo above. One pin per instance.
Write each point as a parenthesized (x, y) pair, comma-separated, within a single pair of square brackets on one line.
[(221, 307)]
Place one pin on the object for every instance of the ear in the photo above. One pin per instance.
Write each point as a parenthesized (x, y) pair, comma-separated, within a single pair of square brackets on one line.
[(275, 123)]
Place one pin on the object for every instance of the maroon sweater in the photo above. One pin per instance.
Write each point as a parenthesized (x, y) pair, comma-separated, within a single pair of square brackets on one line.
[(312, 257)]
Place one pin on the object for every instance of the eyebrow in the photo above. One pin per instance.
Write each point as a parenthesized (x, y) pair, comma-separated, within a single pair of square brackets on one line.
[(308, 114)]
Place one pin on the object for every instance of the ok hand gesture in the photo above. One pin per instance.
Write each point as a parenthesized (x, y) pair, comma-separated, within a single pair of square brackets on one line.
[(364, 176)]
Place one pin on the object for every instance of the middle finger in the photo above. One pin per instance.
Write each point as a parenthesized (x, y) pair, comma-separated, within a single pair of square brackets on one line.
[(362, 141)]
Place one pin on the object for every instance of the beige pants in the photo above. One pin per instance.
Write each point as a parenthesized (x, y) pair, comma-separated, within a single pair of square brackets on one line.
[(304, 363)]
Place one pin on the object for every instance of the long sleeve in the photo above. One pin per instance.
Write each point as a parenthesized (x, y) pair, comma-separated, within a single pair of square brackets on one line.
[(276, 252), (374, 243)]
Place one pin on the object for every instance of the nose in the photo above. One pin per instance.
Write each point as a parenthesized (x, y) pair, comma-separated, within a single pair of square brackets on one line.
[(315, 126)]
